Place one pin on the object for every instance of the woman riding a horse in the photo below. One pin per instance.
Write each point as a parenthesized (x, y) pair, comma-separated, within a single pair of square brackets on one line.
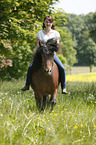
[(48, 32)]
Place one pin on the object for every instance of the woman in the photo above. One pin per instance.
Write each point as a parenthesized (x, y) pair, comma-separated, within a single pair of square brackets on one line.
[(48, 32)]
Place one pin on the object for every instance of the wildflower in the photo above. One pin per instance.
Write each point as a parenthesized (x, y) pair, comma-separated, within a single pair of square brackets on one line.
[(30, 111), (1, 115), (55, 114), (94, 126), (65, 109), (51, 113), (8, 124), (34, 126), (75, 127), (95, 101), (81, 125), (80, 131), (62, 111)]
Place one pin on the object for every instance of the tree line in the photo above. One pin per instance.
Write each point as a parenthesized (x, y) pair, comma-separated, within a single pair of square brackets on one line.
[(83, 30), (19, 23)]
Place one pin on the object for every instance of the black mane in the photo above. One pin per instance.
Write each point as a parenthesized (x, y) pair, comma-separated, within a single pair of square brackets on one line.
[(48, 48)]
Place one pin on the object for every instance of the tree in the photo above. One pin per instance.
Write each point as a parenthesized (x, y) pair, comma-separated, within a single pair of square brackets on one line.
[(19, 23), (87, 51), (82, 28), (75, 25), (67, 46), (93, 27)]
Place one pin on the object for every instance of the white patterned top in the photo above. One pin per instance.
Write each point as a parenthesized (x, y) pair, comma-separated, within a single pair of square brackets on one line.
[(44, 37)]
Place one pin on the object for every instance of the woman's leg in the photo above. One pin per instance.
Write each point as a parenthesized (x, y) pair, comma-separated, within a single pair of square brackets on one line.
[(28, 77), (61, 71)]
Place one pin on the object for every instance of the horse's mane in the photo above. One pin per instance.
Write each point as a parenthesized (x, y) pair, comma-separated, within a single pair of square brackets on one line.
[(48, 48)]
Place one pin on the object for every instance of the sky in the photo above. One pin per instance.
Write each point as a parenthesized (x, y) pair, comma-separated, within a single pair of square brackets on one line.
[(77, 6)]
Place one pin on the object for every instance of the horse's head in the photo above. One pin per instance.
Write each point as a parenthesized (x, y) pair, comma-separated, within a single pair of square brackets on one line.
[(47, 53)]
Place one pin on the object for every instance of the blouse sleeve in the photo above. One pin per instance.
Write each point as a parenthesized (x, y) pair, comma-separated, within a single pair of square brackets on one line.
[(38, 35), (57, 35)]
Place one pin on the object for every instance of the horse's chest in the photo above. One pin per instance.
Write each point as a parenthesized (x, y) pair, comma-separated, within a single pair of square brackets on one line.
[(43, 82)]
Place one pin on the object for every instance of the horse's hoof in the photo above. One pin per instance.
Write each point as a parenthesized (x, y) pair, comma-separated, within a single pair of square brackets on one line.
[(25, 88)]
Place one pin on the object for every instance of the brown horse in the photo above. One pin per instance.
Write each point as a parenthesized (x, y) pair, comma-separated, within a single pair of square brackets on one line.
[(45, 74)]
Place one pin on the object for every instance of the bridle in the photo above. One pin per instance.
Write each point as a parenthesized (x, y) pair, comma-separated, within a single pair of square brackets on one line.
[(50, 70)]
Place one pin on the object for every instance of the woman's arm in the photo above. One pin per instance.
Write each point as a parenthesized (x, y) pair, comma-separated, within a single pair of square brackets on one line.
[(57, 41), (37, 43)]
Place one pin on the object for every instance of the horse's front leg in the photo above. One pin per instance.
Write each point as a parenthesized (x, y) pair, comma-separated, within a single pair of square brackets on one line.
[(39, 101), (53, 99), (45, 101)]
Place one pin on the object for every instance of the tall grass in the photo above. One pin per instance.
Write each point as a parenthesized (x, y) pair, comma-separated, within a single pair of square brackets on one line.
[(72, 122)]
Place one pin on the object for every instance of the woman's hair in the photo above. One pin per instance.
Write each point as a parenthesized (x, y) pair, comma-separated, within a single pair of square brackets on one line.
[(51, 20)]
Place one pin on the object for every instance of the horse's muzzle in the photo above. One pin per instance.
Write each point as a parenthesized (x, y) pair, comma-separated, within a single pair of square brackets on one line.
[(48, 71)]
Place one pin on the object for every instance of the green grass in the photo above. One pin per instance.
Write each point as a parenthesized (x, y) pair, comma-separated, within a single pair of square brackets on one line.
[(72, 122), (81, 69)]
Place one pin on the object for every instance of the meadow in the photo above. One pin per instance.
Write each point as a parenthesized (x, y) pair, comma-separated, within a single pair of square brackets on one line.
[(72, 122)]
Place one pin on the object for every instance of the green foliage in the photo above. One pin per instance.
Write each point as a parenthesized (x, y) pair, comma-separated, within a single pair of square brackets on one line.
[(82, 28), (75, 25), (59, 17), (87, 52), (19, 23), (67, 46), (93, 27)]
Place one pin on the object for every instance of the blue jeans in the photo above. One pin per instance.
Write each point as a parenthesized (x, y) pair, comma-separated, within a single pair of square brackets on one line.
[(62, 76)]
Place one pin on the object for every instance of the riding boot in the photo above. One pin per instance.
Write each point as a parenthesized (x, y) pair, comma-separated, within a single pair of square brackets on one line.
[(28, 78), (64, 91)]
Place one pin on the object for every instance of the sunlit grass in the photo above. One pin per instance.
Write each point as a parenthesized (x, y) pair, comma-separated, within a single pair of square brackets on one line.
[(86, 77), (73, 120)]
